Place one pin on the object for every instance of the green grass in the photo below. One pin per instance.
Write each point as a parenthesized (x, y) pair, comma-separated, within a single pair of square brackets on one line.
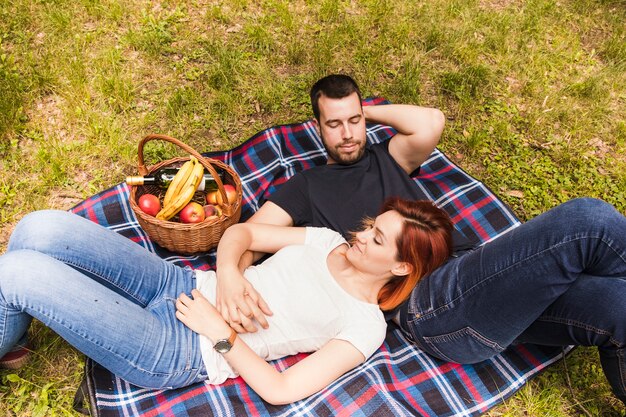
[(534, 93)]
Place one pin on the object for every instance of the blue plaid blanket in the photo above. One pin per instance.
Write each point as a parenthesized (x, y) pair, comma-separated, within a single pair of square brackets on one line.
[(398, 380)]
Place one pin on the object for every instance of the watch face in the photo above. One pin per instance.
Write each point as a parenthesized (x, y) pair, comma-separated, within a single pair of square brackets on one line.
[(222, 346)]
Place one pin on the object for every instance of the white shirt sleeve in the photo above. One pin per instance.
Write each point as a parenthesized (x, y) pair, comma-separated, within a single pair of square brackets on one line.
[(365, 336), (323, 238)]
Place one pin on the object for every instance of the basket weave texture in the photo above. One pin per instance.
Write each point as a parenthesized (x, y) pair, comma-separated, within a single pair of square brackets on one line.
[(179, 237)]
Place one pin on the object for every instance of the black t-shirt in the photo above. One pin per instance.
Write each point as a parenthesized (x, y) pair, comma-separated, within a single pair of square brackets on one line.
[(340, 196)]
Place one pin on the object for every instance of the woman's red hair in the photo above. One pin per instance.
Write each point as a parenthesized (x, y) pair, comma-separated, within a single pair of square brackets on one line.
[(425, 242)]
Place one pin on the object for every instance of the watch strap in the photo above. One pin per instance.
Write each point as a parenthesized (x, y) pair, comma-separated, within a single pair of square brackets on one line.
[(232, 337)]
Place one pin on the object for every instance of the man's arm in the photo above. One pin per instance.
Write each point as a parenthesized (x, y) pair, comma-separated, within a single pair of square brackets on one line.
[(271, 213), (419, 130), (237, 300)]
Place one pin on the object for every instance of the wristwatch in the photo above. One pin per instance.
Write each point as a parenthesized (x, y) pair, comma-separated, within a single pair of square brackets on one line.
[(224, 345)]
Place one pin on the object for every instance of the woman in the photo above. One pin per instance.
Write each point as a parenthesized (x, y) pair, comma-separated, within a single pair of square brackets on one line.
[(154, 324), (556, 280)]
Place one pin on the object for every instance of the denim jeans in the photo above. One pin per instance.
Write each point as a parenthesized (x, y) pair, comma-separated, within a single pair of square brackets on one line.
[(107, 296), (559, 279)]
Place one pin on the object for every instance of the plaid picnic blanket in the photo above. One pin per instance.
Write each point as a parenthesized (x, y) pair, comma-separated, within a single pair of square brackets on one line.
[(398, 380)]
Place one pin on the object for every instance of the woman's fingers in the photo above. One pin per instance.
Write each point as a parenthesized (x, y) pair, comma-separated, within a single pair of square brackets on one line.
[(182, 302), (240, 316)]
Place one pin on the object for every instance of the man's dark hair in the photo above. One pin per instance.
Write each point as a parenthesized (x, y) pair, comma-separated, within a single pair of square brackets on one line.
[(332, 86)]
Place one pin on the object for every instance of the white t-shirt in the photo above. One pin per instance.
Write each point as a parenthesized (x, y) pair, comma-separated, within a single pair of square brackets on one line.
[(310, 307)]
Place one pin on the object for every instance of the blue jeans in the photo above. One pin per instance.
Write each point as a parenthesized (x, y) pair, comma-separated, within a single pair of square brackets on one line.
[(559, 279), (107, 296)]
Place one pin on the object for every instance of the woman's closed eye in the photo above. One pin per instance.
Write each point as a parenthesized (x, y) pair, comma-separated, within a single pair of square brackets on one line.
[(372, 230)]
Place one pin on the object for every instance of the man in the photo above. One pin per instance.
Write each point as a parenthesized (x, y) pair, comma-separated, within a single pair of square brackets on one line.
[(353, 184)]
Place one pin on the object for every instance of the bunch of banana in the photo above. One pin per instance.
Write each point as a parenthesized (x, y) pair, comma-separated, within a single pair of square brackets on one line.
[(181, 189)]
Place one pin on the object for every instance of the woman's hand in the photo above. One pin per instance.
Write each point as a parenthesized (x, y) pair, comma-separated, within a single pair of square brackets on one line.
[(239, 303), (201, 316)]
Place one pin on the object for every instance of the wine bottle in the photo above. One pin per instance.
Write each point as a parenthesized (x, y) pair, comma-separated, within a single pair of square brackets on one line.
[(163, 177)]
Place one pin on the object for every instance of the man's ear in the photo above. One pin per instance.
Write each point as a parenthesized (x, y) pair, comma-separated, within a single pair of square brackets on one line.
[(316, 124), (402, 269)]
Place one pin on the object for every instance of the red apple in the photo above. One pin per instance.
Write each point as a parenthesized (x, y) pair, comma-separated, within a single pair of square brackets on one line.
[(215, 197), (192, 213), (212, 212), (149, 204)]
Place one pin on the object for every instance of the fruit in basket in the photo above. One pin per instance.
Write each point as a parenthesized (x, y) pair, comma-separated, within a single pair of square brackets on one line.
[(215, 197), (184, 193), (212, 211), (179, 181), (192, 213), (211, 197), (149, 204)]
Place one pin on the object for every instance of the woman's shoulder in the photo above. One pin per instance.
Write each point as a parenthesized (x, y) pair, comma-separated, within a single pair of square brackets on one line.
[(366, 331), (323, 237)]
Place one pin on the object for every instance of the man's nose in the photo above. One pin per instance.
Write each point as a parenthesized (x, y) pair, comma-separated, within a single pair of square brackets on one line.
[(347, 131)]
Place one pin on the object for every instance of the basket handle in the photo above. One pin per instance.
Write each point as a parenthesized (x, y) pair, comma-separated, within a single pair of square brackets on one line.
[(206, 162)]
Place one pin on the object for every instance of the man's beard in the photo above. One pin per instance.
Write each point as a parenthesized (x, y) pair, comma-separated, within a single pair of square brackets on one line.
[(341, 157)]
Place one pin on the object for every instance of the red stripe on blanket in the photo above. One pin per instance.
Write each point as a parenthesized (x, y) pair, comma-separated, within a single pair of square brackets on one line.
[(88, 205), (467, 213), (357, 403), (470, 386), (404, 384), (165, 404), (433, 175), (244, 392), (254, 196), (521, 349), (463, 212), (306, 164), (250, 163)]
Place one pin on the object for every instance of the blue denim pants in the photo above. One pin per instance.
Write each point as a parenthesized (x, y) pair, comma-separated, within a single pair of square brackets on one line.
[(107, 296), (559, 279)]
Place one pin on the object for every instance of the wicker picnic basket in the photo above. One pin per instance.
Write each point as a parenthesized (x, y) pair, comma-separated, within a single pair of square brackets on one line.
[(181, 237)]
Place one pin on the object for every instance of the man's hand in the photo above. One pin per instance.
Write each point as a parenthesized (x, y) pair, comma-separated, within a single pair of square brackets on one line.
[(419, 130), (239, 303)]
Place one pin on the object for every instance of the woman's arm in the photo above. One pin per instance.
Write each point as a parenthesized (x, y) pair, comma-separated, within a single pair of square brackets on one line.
[(237, 300), (241, 237), (305, 378)]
